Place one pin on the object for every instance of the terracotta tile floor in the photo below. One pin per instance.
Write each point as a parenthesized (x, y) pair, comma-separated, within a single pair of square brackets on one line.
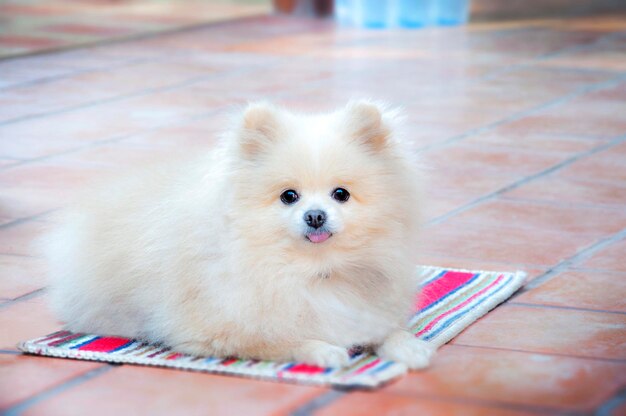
[(522, 129), (29, 26)]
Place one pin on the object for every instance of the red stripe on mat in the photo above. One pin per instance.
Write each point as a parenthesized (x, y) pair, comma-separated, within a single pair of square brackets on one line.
[(104, 344), (440, 317), (367, 367), (306, 369), (441, 286)]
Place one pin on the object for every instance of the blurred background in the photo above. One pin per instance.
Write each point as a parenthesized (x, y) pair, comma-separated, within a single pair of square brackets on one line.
[(34, 25), (28, 26)]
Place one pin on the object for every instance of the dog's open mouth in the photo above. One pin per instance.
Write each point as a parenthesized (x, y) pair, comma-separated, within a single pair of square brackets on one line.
[(318, 236)]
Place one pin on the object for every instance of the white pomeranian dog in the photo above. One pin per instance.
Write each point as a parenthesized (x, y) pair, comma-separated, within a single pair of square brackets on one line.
[(291, 241)]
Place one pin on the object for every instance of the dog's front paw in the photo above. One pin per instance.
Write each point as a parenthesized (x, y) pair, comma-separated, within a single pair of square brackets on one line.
[(322, 354), (403, 347)]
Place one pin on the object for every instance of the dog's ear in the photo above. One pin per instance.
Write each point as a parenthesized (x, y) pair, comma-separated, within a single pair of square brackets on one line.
[(260, 128), (365, 123)]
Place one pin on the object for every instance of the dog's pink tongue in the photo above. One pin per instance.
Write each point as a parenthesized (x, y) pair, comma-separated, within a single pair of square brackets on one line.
[(318, 237)]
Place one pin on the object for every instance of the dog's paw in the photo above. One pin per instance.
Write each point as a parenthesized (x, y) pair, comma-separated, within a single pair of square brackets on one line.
[(322, 354), (403, 347)]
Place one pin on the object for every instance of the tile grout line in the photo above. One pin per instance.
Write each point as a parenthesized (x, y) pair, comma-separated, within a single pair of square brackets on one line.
[(23, 220), (555, 354), (577, 92), (577, 269), (88, 146), (137, 94), (27, 256), (330, 397), (516, 184), (570, 308), (559, 204), (549, 55), (613, 403), (116, 139), (574, 70), (25, 297), (581, 255), (128, 63), (131, 38), (34, 293), (19, 408), (488, 403), (318, 402)]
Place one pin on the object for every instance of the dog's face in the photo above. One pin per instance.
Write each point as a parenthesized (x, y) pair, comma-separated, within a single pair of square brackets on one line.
[(312, 184)]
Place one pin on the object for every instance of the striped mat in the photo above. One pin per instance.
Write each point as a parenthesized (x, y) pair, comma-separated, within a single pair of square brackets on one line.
[(449, 302)]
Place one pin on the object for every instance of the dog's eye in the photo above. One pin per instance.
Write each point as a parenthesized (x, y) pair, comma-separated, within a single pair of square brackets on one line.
[(289, 196), (340, 195)]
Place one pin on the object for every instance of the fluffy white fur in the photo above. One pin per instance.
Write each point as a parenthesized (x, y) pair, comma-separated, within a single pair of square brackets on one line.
[(204, 256)]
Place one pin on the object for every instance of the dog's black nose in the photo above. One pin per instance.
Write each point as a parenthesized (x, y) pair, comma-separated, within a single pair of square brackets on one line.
[(315, 218)]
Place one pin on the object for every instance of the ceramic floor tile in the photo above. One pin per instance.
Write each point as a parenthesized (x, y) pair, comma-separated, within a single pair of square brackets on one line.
[(566, 125), (512, 378), (611, 258), (470, 182), (580, 191), (564, 145), (601, 166), (91, 87), (437, 206), (538, 247), (81, 24), (163, 391), (20, 238), (580, 289), (492, 158), (26, 319), (20, 275), (619, 408), (378, 403), (45, 175), (550, 330), (19, 202), (23, 376), (560, 218)]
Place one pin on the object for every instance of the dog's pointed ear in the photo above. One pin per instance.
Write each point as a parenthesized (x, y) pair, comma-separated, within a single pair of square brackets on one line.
[(260, 128), (365, 123)]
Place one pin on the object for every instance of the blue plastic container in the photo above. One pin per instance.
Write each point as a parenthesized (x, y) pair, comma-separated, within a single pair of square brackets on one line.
[(451, 12), (344, 12), (415, 13), (379, 14), (373, 14)]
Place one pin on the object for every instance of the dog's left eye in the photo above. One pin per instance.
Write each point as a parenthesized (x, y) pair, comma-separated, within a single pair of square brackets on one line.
[(289, 197), (340, 195)]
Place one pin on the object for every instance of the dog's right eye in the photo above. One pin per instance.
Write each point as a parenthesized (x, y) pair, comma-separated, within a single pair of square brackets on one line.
[(289, 197)]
